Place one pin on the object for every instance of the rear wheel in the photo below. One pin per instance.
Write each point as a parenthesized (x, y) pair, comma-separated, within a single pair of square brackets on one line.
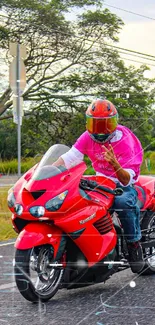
[(148, 235), (37, 275)]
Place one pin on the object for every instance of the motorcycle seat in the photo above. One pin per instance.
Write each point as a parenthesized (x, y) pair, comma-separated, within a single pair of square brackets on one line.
[(141, 196)]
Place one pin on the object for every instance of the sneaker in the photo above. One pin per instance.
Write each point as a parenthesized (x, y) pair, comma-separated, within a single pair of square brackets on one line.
[(135, 257)]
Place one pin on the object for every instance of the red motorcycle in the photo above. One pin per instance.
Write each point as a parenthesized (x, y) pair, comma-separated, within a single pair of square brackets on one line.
[(69, 236)]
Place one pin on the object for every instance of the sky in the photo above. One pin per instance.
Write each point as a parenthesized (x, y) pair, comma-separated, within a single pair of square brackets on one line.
[(138, 33)]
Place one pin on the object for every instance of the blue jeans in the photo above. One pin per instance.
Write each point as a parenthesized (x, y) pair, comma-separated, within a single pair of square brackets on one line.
[(128, 212)]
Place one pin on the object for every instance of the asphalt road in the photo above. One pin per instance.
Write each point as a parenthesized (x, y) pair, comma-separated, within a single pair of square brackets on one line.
[(125, 299), (8, 180)]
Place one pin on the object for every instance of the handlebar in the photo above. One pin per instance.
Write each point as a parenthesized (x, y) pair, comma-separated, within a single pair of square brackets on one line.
[(92, 185)]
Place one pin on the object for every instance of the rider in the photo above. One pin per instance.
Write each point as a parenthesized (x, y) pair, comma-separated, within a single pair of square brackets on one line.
[(115, 152)]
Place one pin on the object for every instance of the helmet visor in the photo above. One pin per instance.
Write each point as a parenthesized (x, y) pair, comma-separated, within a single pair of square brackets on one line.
[(101, 125)]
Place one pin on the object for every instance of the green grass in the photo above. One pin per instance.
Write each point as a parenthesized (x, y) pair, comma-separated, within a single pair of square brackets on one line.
[(11, 167), (6, 230)]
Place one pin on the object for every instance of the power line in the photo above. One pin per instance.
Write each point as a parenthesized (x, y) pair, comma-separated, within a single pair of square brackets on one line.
[(132, 51), (134, 55), (78, 37), (128, 11), (88, 40), (144, 55), (111, 6), (152, 65)]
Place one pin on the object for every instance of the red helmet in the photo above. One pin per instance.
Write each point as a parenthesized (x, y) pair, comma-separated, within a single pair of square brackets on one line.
[(101, 120)]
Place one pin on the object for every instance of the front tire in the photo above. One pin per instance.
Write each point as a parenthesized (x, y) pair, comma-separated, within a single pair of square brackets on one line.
[(35, 277), (148, 222)]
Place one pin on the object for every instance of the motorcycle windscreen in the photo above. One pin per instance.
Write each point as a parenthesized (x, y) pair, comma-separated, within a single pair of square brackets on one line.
[(45, 169)]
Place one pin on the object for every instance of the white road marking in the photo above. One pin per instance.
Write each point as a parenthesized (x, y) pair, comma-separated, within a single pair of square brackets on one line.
[(7, 285), (6, 244), (114, 262)]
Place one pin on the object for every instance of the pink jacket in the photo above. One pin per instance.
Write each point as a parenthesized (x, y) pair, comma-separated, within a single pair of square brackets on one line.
[(128, 151)]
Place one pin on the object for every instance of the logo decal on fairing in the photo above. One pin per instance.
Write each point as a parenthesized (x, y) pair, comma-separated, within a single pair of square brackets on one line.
[(87, 219)]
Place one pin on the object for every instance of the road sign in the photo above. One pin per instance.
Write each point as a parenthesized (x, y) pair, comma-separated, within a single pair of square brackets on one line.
[(13, 77), (17, 79), (13, 50)]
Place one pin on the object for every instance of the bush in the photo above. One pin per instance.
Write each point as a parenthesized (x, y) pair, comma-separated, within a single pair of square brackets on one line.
[(6, 230), (11, 167), (152, 159), (147, 154)]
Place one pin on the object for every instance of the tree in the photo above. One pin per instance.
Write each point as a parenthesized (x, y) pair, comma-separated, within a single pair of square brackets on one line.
[(8, 140), (59, 52), (68, 64)]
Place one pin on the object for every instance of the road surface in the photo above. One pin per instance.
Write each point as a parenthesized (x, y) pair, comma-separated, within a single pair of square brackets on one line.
[(8, 180), (125, 299)]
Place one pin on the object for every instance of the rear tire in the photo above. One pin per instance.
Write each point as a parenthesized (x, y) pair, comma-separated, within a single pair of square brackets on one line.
[(148, 222), (35, 278)]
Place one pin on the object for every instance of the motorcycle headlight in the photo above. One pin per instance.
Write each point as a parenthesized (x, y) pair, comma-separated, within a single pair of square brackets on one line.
[(55, 203), (18, 209), (11, 198), (37, 211)]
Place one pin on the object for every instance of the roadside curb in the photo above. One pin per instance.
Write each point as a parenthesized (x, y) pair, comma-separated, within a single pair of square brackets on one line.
[(8, 241), (8, 180)]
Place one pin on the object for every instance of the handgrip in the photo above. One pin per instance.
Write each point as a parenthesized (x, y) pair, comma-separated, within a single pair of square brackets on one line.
[(90, 185)]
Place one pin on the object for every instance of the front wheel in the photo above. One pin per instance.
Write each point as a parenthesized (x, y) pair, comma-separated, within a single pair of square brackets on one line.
[(148, 235), (37, 275)]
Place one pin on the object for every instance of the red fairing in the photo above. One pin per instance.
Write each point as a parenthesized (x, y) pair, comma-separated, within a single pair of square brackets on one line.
[(36, 234), (147, 183), (82, 212), (68, 210), (93, 244)]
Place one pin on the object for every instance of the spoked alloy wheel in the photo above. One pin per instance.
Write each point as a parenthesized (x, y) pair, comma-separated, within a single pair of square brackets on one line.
[(37, 275), (148, 234)]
